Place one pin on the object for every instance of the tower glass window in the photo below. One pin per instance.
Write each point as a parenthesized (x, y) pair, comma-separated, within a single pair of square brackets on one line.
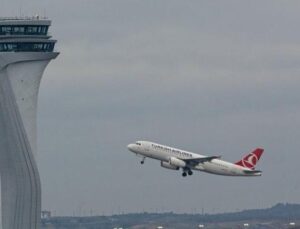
[(23, 30), (27, 47)]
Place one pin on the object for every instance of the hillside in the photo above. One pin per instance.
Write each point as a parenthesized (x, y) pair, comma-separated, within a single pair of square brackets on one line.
[(277, 216)]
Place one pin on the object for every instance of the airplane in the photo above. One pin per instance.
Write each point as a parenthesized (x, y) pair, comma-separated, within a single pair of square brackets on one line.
[(176, 159)]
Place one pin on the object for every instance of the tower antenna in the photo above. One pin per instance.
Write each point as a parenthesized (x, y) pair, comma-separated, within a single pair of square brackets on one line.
[(20, 8)]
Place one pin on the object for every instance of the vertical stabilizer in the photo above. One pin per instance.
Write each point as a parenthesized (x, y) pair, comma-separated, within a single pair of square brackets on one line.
[(251, 159)]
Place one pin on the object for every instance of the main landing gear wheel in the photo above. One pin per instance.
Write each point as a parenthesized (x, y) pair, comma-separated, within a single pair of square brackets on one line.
[(190, 172), (142, 162), (184, 174)]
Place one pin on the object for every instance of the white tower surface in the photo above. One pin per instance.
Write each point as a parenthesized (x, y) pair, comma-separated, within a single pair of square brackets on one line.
[(25, 50)]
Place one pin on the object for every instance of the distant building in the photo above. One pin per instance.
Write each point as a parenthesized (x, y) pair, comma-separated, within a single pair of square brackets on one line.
[(45, 214)]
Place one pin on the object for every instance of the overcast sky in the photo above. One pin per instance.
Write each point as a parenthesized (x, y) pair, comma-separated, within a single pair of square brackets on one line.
[(212, 77)]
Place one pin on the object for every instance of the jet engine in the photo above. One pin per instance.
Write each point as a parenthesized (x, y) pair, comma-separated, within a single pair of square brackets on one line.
[(168, 166), (177, 162)]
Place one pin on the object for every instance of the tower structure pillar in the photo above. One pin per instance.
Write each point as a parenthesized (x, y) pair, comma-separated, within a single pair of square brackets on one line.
[(25, 51)]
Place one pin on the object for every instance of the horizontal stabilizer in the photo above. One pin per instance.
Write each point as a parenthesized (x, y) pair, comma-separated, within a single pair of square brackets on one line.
[(252, 172)]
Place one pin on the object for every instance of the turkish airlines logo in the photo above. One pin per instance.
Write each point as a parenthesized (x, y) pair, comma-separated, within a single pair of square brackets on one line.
[(250, 161)]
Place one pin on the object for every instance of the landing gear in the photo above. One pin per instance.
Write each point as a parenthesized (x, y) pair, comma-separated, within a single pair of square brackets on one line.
[(187, 171), (143, 160)]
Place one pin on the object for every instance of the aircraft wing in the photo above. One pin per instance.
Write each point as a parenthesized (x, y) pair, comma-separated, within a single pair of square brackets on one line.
[(196, 161)]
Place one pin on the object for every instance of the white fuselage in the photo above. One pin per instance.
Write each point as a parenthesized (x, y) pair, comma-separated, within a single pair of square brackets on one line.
[(164, 153)]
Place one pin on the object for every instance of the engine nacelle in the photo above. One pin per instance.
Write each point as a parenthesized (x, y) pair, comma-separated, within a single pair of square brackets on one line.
[(177, 162), (168, 166)]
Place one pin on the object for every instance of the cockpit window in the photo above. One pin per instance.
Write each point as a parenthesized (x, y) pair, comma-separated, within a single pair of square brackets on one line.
[(137, 143)]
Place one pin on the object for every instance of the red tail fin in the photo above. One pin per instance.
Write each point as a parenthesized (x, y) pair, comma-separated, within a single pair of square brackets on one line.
[(251, 159)]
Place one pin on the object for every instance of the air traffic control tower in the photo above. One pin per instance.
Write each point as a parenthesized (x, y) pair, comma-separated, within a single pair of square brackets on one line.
[(25, 50)]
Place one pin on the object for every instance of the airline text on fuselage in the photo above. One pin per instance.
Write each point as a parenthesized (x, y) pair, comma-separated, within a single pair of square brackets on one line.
[(171, 150)]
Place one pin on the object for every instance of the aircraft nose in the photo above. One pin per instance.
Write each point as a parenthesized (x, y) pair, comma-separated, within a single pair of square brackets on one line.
[(130, 147)]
